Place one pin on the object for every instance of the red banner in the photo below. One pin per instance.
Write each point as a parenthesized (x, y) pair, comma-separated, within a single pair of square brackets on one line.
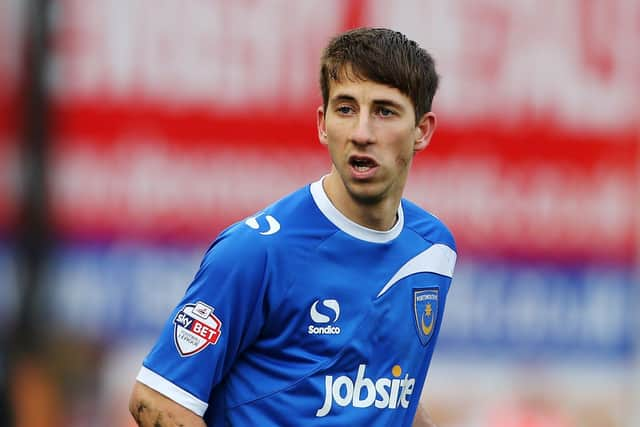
[(11, 32), (176, 122)]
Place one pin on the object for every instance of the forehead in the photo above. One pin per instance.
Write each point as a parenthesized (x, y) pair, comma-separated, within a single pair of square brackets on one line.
[(366, 91)]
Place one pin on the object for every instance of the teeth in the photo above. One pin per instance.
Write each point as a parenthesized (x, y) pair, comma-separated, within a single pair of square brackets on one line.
[(362, 165)]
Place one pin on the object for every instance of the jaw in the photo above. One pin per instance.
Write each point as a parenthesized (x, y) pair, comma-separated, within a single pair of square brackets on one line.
[(359, 188)]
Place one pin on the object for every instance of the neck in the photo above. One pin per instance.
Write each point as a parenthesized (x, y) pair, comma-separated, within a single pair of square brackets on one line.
[(378, 215)]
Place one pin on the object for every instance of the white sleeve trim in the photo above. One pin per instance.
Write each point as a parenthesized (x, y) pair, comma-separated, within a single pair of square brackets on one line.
[(172, 391)]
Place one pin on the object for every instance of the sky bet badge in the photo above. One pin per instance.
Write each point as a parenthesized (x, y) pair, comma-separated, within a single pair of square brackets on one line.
[(425, 306), (195, 327)]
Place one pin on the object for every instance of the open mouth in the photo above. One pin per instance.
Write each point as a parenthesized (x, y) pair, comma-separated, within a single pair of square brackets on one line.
[(362, 164)]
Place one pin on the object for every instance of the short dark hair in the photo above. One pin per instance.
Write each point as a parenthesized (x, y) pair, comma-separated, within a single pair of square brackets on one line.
[(382, 56)]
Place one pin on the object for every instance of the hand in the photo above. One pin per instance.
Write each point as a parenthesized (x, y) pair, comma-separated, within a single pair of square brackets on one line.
[(422, 418)]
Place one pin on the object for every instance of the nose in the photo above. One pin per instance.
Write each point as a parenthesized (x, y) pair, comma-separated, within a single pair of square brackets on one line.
[(362, 133)]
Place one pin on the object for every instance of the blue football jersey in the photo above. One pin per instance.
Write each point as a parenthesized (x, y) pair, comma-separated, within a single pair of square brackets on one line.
[(299, 316)]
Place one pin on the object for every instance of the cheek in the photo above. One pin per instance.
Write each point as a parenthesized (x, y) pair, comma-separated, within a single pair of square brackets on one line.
[(403, 162), (338, 129), (405, 153)]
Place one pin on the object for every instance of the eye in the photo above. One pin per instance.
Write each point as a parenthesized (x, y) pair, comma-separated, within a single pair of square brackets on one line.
[(344, 109), (385, 112)]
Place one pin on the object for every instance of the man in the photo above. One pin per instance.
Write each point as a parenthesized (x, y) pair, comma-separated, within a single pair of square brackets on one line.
[(323, 309)]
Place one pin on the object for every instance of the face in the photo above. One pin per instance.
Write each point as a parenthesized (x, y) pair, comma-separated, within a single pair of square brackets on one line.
[(372, 136)]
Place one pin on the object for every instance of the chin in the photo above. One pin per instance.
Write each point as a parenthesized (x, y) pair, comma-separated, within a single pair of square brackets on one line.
[(366, 193)]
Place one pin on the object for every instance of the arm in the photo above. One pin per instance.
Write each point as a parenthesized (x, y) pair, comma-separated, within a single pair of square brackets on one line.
[(422, 418), (150, 408)]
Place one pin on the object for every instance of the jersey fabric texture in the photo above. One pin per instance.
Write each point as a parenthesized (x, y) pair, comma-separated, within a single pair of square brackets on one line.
[(299, 316)]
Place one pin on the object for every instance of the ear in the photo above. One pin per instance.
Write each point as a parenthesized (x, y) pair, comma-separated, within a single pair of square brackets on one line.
[(424, 131), (322, 126)]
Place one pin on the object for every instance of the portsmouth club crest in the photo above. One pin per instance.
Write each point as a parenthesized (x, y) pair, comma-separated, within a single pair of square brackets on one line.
[(195, 327), (425, 306)]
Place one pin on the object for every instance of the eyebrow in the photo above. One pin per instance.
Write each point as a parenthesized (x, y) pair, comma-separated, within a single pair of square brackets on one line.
[(382, 101)]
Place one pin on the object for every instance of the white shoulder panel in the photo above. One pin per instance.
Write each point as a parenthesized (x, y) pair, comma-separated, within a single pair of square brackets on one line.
[(439, 259)]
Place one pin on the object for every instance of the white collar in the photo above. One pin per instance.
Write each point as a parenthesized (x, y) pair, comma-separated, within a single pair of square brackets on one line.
[(352, 228)]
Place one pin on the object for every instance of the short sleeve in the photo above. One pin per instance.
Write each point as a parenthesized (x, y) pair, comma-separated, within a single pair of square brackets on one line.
[(220, 314)]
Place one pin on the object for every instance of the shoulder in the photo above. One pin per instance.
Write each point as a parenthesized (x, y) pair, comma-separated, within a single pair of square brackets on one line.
[(291, 221), (427, 225)]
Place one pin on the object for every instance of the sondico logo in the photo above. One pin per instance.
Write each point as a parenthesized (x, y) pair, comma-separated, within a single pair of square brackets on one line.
[(271, 227), (321, 315), (389, 393)]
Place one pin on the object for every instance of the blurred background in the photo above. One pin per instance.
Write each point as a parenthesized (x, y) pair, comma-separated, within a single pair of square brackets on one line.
[(132, 132)]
